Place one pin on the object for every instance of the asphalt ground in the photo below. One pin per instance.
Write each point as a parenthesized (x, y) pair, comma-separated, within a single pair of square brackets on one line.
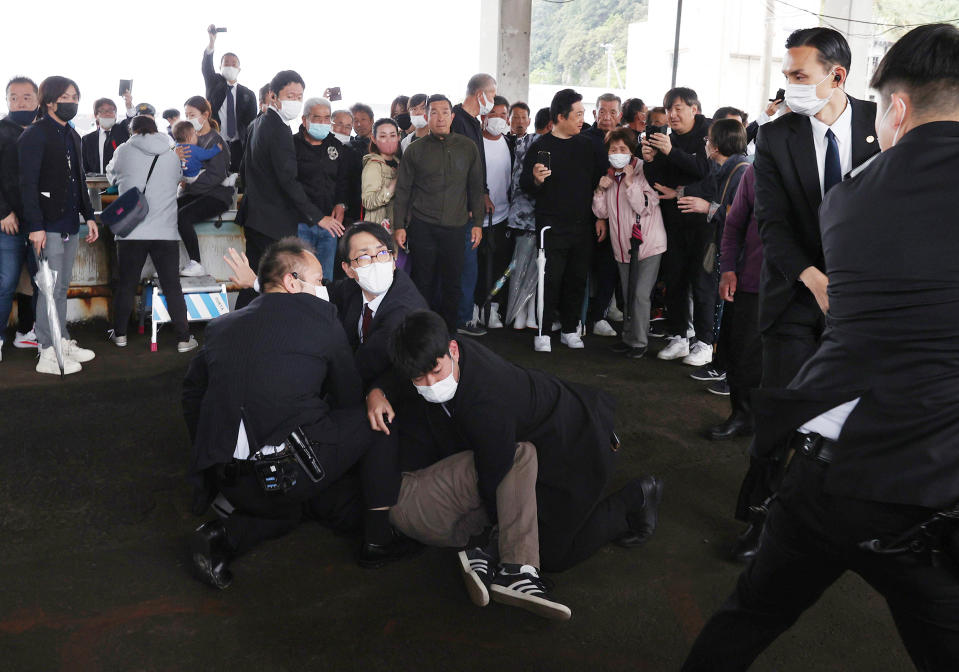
[(94, 518)]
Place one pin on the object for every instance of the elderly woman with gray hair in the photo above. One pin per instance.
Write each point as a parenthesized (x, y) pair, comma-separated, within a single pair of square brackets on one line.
[(321, 169)]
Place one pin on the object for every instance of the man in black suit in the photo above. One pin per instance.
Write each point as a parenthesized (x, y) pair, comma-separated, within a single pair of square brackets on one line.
[(281, 364), (873, 414), (98, 147), (234, 105), (274, 201), (799, 157)]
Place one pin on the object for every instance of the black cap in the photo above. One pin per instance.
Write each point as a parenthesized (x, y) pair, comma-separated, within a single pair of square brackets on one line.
[(146, 108)]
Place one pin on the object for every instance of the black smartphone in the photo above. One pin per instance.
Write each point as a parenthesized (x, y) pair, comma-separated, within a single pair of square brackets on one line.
[(542, 156), (655, 129), (335, 94), (126, 85), (780, 95)]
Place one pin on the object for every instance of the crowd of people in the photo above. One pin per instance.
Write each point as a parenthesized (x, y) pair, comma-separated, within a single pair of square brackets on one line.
[(723, 238)]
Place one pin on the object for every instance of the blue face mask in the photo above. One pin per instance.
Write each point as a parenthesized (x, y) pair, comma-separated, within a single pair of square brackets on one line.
[(23, 117), (319, 131)]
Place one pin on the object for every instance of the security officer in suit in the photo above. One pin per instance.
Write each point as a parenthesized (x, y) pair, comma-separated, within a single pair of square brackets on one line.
[(279, 368), (873, 415), (274, 201), (799, 158), (234, 105), (98, 147)]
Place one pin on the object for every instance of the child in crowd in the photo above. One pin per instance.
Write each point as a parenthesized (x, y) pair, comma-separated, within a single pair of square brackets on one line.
[(185, 135)]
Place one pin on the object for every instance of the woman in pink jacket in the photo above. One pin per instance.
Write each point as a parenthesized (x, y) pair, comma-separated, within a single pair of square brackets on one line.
[(631, 206)]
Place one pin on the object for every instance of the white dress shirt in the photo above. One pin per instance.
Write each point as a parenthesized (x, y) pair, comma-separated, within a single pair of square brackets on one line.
[(103, 144), (842, 129), (374, 306)]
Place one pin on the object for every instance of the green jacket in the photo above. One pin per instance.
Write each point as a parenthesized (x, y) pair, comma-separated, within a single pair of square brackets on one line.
[(440, 182)]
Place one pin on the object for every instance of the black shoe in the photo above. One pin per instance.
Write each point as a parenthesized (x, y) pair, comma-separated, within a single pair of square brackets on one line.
[(655, 331), (708, 374), (621, 348), (718, 387), (526, 590), (477, 568), (373, 556), (642, 521), (471, 329), (210, 551), (636, 353), (737, 424), (748, 543)]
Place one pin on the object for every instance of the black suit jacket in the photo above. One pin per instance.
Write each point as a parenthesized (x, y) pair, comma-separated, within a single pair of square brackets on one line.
[(891, 245), (283, 361), (90, 142), (274, 201), (373, 355), (788, 197), (216, 86), (498, 404)]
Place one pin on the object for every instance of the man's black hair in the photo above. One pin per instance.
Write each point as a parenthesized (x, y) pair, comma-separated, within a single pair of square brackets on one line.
[(143, 126), (52, 88), (500, 100), (362, 107), (632, 107), (563, 104), (925, 63), (103, 101), (519, 105), (230, 53), (682, 93), (831, 46), (20, 79), (419, 340), (264, 92), (724, 112), (284, 256), (437, 98), (542, 119), (728, 136), (171, 113), (283, 78), (417, 99), (375, 230)]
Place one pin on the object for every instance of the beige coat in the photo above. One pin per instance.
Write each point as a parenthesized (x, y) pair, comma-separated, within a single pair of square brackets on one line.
[(377, 201)]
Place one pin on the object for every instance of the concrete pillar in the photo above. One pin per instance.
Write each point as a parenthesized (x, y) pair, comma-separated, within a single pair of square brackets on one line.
[(511, 44), (861, 10)]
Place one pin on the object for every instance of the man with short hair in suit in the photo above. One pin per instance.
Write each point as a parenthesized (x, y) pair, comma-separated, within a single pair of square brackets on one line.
[(98, 147), (274, 202), (799, 158), (873, 415), (234, 105)]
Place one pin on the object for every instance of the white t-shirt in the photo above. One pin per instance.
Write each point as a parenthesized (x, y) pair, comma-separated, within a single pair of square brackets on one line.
[(499, 169)]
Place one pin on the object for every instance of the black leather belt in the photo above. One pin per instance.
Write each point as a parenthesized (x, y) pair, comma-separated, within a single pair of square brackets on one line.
[(815, 447)]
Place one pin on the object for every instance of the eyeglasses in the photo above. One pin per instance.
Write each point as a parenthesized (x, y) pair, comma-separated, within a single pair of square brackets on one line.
[(382, 257)]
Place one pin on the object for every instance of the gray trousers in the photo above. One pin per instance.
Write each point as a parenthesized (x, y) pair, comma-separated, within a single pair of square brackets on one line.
[(61, 254), (441, 506), (638, 279)]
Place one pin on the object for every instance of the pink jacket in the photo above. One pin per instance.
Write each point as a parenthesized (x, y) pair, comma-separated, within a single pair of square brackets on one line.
[(621, 205)]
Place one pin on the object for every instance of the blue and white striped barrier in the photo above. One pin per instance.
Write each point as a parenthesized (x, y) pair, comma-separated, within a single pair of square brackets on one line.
[(202, 304)]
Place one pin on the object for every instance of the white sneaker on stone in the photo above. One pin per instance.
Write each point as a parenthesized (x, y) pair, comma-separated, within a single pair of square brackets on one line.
[(192, 270), (186, 346), (700, 354), (27, 340), (494, 321), (614, 313), (676, 347), (542, 344), (572, 340), (48, 363), (73, 351), (603, 328)]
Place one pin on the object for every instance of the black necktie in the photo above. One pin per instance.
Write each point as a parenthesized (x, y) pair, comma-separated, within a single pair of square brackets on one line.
[(230, 114), (367, 321), (832, 172)]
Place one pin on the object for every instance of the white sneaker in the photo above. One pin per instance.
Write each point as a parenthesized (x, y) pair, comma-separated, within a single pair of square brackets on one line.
[(27, 340), (117, 340), (186, 346), (676, 347), (700, 354), (73, 351), (613, 312), (572, 340), (542, 344), (192, 270), (494, 321), (690, 333), (48, 363), (603, 328)]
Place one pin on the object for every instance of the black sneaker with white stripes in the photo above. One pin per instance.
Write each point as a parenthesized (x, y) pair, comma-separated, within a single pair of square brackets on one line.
[(708, 374), (522, 587), (477, 568)]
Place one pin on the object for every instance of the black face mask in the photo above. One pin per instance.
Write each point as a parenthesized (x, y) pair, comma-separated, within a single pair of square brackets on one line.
[(24, 117), (67, 111), (403, 121)]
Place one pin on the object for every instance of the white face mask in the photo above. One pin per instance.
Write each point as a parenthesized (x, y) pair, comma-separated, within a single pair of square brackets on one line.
[(802, 98), (418, 121), (438, 393), (485, 104), (197, 123), (319, 291), (290, 109), (619, 161), (376, 278), (230, 73), (106, 123), (342, 137), (496, 125), (895, 138)]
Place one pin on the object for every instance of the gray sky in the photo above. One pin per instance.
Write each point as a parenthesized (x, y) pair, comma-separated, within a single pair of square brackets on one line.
[(159, 46)]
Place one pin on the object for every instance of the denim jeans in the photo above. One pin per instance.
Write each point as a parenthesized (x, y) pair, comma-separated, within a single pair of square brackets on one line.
[(323, 242), (468, 281), (13, 249)]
